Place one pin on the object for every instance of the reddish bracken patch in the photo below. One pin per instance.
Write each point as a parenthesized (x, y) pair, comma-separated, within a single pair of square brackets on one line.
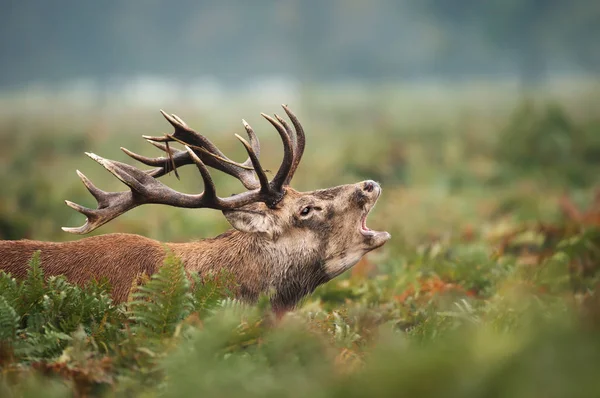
[(363, 268), (84, 376), (429, 287), (588, 217)]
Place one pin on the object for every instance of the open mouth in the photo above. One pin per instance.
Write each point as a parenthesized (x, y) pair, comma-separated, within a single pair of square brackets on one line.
[(363, 225), (364, 229), (373, 238)]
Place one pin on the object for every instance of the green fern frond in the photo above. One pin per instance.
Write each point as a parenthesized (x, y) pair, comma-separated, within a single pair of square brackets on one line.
[(10, 289), (33, 287), (9, 321), (163, 302), (35, 277), (43, 313), (229, 303), (49, 343), (208, 291)]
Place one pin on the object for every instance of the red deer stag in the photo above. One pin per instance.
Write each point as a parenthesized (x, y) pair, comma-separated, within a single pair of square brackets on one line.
[(285, 242)]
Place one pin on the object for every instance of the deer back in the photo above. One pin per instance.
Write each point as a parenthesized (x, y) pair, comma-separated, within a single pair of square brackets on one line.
[(120, 258)]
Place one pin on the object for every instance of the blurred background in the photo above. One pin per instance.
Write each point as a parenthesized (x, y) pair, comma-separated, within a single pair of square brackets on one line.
[(465, 110), (479, 118), (188, 48)]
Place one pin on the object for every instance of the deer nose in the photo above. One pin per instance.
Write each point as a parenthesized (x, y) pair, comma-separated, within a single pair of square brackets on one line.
[(369, 186)]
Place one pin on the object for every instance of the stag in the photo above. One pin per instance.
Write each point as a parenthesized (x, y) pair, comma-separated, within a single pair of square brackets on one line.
[(284, 242)]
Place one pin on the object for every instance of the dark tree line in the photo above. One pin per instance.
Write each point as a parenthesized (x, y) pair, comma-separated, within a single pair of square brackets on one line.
[(537, 35), (310, 39)]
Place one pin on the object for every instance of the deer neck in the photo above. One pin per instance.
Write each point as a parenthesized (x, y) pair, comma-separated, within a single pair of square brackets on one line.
[(289, 267)]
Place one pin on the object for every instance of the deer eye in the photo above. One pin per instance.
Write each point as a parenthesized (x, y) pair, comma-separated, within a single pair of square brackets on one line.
[(305, 211)]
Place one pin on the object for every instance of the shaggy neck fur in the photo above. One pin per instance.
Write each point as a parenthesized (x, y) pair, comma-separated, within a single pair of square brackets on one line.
[(290, 270)]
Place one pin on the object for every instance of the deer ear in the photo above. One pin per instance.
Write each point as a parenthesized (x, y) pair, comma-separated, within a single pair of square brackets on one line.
[(252, 221)]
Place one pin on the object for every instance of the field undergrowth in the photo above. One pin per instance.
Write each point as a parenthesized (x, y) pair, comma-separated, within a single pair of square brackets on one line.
[(488, 287)]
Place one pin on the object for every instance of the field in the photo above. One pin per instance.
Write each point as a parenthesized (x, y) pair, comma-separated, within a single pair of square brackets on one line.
[(488, 286)]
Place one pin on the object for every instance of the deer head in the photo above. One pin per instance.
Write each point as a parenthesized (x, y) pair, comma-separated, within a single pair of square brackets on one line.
[(325, 228), (331, 223)]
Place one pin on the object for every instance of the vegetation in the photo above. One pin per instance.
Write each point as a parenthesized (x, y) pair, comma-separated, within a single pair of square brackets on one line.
[(487, 288)]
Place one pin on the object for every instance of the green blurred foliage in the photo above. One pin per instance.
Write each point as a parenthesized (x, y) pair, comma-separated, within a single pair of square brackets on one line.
[(488, 287), (550, 145), (528, 333)]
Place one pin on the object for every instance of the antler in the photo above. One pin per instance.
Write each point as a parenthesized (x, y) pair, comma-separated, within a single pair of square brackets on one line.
[(145, 188)]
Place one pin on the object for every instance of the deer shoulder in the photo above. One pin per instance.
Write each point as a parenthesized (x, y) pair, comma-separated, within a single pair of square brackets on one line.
[(284, 241)]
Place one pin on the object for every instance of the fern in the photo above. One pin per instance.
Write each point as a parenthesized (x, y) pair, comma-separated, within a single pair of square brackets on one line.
[(9, 321), (44, 313), (46, 344), (32, 292), (163, 302), (67, 306), (209, 291), (10, 289), (33, 286)]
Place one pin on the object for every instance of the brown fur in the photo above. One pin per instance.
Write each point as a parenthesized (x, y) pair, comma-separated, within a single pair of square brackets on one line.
[(277, 249)]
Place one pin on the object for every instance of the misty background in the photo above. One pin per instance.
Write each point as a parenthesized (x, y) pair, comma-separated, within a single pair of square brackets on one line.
[(198, 49)]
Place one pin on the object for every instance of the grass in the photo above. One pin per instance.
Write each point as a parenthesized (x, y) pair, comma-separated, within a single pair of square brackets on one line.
[(487, 288)]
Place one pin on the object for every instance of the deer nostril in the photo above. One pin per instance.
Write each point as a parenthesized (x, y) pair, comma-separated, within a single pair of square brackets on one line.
[(369, 186)]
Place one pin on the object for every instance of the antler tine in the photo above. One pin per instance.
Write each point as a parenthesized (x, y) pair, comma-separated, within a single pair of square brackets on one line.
[(165, 165), (124, 172), (173, 120), (179, 120), (83, 210), (145, 188), (112, 202), (204, 149), (262, 176), (287, 128), (160, 146), (210, 192), (96, 192), (177, 158), (189, 136), (299, 144), (254, 143), (292, 134), (192, 139), (152, 139), (288, 155), (112, 205), (160, 161)]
